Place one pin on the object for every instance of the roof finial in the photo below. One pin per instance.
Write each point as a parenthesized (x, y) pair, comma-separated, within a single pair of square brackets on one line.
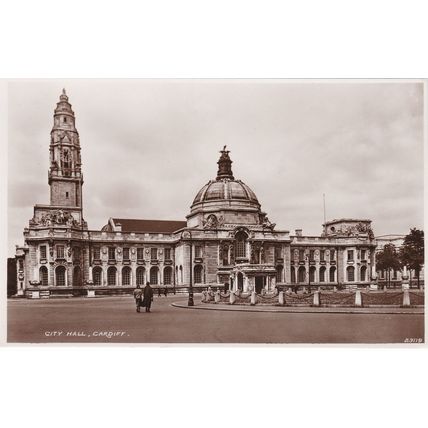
[(63, 91), (224, 165)]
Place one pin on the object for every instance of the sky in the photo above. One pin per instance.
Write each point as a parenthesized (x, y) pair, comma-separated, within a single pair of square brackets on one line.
[(148, 146)]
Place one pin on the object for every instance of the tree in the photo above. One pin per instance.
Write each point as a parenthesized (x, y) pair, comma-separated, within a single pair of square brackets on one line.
[(412, 251), (387, 259)]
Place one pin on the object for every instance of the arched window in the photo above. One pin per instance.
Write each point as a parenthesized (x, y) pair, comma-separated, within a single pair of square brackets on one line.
[(293, 274), (302, 274), (332, 274), (43, 275), (97, 275), (60, 276), (322, 274), (279, 270), (350, 273), (77, 277), (167, 275), (241, 241), (198, 274), (363, 273), (126, 275), (140, 275), (312, 271), (154, 275), (111, 275)]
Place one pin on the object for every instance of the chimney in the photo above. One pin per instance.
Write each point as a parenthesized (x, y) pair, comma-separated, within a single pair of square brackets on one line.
[(298, 232)]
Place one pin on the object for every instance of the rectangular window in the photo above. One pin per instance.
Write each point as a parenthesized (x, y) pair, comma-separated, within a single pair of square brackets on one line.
[(154, 253), (332, 255), (111, 253), (278, 254), (43, 252), (167, 253), (126, 254), (363, 254), (311, 255), (322, 255), (60, 251), (97, 253), (198, 251), (140, 253), (351, 255), (301, 255)]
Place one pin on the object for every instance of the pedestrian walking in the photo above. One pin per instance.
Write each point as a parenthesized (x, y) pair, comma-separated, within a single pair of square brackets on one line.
[(138, 293), (148, 296), (159, 292), (165, 291)]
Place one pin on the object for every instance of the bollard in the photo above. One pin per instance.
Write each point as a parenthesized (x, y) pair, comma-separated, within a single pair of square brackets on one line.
[(358, 301), (281, 299), (316, 298), (253, 298), (406, 298), (217, 296), (232, 298)]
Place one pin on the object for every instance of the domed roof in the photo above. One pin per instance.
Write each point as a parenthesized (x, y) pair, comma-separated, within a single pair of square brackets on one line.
[(225, 187)]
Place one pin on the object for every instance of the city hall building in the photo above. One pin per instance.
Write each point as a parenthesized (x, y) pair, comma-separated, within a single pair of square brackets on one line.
[(226, 238)]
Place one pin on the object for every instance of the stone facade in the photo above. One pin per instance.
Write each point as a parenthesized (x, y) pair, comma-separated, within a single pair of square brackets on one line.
[(226, 238)]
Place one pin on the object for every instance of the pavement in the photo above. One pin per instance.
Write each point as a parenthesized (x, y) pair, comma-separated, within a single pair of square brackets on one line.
[(113, 320)]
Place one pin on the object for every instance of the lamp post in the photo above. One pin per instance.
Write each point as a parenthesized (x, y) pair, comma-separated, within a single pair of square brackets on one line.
[(190, 301)]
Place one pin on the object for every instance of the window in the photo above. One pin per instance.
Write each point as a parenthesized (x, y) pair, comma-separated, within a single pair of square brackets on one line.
[(322, 255), (111, 253), (66, 195), (350, 272), (278, 253), (322, 274), (60, 251), (43, 252), (126, 275), (363, 273), (154, 275), (140, 253), (126, 254), (97, 275), (332, 274), (302, 274), (167, 253), (225, 255), (65, 119), (154, 254), (198, 251), (311, 255), (198, 274), (293, 275), (363, 254), (44, 276), (77, 277), (140, 276), (332, 255), (301, 255), (21, 264), (111, 275), (76, 253), (60, 276), (97, 253), (167, 274), (350, 255), (241, 238), (394, 274), (279, 270)]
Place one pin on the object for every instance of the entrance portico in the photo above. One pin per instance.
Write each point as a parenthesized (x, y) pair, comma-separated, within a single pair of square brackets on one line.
[(248, 277)]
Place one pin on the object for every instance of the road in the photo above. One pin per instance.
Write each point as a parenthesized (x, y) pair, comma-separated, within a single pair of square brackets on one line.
[(114, 320)]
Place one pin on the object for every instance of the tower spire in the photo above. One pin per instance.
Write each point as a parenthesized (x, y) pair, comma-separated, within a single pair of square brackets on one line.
[(224, 165)]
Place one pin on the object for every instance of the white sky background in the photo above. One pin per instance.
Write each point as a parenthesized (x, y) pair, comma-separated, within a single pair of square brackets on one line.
[(148, 146)]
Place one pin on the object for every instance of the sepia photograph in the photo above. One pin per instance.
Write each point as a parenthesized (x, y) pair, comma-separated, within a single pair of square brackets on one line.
[(215, 211)]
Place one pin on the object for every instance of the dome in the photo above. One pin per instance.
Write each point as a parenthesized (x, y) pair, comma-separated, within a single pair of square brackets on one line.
[(225, 189), (225, 192)]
